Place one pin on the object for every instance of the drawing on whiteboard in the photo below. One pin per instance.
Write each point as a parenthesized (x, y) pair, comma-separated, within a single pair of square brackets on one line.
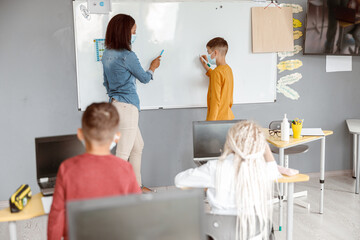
[(85, 12), (297, 49), (99, 48), (297, 34), (289, 65), (288, 92), (296, 23), (296, 8)]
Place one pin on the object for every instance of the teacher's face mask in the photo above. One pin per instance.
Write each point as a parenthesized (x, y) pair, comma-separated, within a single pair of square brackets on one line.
[(133, 38)]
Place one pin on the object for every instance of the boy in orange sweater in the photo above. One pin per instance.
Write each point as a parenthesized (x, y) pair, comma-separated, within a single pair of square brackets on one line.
[(221, 81), (93, 174)]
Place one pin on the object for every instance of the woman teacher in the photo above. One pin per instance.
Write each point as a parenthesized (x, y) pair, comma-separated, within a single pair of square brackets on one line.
[(121, 69)]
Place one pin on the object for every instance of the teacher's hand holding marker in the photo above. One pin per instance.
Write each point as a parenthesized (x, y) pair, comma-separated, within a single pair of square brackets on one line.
[(156, 62)]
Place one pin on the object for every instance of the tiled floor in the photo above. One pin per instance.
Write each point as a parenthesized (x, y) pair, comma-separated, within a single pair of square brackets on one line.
[(341, 218)]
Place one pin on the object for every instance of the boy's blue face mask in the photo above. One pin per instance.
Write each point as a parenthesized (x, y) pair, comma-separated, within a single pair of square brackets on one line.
[(212, 61), (133, 38)]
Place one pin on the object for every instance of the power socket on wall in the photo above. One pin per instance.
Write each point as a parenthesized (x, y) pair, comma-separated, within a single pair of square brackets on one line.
[(99, 6)]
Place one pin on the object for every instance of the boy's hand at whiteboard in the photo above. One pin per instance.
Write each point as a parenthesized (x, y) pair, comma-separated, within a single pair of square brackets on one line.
[(155, 63), (204, 63)]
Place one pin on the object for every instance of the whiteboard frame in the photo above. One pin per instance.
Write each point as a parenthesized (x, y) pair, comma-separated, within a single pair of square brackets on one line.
[(162, 107)]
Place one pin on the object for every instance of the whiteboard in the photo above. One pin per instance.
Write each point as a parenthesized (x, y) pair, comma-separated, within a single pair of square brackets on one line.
[(182, 29)]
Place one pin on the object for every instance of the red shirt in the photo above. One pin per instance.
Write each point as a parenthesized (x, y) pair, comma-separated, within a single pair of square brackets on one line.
[(88, 176)]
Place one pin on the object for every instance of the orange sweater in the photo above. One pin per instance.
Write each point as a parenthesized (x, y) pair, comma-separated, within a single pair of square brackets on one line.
[(220, 94)]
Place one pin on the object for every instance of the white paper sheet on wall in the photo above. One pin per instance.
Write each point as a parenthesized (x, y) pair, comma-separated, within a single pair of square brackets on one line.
[(338, 63)]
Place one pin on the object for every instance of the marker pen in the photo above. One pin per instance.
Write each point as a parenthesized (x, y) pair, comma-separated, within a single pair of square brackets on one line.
[(207, 63)]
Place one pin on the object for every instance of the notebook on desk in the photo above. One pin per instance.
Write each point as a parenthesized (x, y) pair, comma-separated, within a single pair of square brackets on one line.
[(50, 153), (310, 132)]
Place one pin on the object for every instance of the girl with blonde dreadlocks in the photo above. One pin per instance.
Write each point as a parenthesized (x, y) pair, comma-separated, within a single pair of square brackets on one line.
[(240, 182)]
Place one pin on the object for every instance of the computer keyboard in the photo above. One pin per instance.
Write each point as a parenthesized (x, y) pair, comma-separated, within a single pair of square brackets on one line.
[(47, 191), (48, 184)]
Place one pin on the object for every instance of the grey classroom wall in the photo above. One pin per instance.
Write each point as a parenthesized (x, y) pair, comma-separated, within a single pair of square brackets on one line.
[(38, 97)]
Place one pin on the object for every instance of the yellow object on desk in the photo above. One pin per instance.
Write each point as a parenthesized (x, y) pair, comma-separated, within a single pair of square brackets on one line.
[(20, 198), (296, 130)]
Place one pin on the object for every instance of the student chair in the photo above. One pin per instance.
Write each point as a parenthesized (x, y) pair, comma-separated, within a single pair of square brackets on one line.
[(276, 125)]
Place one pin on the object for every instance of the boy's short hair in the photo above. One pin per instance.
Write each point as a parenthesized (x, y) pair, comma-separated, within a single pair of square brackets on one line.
[(100, 122), (219, 44)]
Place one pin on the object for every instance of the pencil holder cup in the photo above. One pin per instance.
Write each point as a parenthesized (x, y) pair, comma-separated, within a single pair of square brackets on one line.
[(296, 130)]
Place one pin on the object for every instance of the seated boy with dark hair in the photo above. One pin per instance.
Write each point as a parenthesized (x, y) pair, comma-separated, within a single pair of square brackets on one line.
[(95, 173), (221, 81)]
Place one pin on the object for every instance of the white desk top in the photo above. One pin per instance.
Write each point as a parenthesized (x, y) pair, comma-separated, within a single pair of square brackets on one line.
[(353, 125)]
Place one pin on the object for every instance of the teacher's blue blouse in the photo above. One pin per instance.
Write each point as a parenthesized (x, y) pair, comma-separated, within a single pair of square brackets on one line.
[(121, 69)]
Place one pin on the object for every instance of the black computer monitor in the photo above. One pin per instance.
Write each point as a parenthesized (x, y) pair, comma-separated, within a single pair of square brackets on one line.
[(170, 215), (209, 137), (52, 151)]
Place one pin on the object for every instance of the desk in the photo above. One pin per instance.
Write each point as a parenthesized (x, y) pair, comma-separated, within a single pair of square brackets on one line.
[(276, 141), (290, 200), (33, 209), (354, 128)]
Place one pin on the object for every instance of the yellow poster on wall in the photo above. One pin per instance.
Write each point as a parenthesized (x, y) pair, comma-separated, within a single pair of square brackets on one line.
[(297, 34), (296, 23), (289, 65)]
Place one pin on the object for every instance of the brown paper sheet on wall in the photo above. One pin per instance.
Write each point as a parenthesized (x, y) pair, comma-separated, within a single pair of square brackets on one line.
[(272, 29)]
